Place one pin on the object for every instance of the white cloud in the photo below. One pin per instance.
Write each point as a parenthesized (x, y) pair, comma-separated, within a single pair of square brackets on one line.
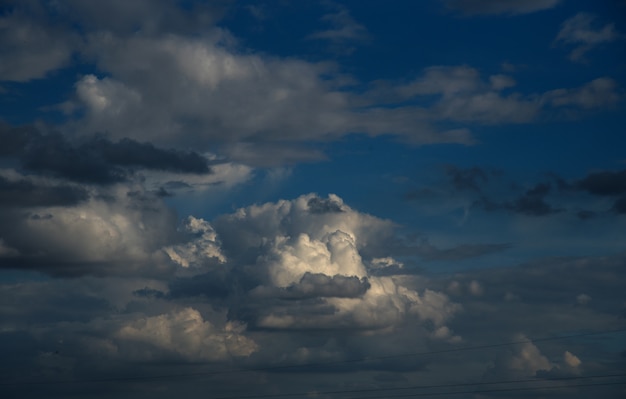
[(118, 229), (205, 249), (386, 262), (529, 359), (187, 334), (293, 244), (333, 254), (578, 31), (571, 360)]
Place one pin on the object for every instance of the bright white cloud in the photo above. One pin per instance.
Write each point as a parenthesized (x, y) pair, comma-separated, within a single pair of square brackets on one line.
[(290, 242), (204, 249)]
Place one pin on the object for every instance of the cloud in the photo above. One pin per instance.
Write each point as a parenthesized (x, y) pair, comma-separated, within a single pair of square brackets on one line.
[(96, 160), (32, 47), (609, 183), (468, 178), (495, 7), (529, 359), (271, 154), (606, 184), (344, 28), (598, 93), (578, 31), (142, 16), (313, 285), (25, 193), (205, 249), (464, 251), (186, 334), (119, 230), (532, 202), (461, 95), (310, 251), (476, 180)]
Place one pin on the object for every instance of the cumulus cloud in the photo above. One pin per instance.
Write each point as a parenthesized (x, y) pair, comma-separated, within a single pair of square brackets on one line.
[(579, 32), (494, 7), (312, 247), (199, 251), (186, 334), (118, 230), (529, 359)]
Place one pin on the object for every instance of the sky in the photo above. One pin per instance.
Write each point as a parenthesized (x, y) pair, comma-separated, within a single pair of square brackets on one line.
[(326, 199)]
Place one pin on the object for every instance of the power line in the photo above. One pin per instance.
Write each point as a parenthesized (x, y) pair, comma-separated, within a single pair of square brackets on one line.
[(318, 364)]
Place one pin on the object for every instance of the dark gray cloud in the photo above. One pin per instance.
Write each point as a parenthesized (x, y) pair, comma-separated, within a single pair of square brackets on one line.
[(620, 205), (25, 193), (478, 180), (533, 202), (323, 205), (97, 160), (313, 285), (467, 179), (608, 183)]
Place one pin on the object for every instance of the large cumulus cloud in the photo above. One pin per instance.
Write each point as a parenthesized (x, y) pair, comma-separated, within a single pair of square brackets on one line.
[(303, 264)]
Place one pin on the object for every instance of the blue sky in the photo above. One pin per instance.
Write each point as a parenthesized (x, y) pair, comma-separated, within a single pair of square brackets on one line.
[(191, 186)]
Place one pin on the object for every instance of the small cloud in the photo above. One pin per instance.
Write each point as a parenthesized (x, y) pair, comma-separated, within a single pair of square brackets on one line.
[(583, 299), (578, 31), (343, 28), (475, 288), (571, 360)]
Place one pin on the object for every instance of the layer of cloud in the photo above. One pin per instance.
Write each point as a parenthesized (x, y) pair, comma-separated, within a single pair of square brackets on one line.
[(495, 7)]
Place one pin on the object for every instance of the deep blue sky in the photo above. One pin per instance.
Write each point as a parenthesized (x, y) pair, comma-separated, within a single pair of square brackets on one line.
[(189, 186)]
